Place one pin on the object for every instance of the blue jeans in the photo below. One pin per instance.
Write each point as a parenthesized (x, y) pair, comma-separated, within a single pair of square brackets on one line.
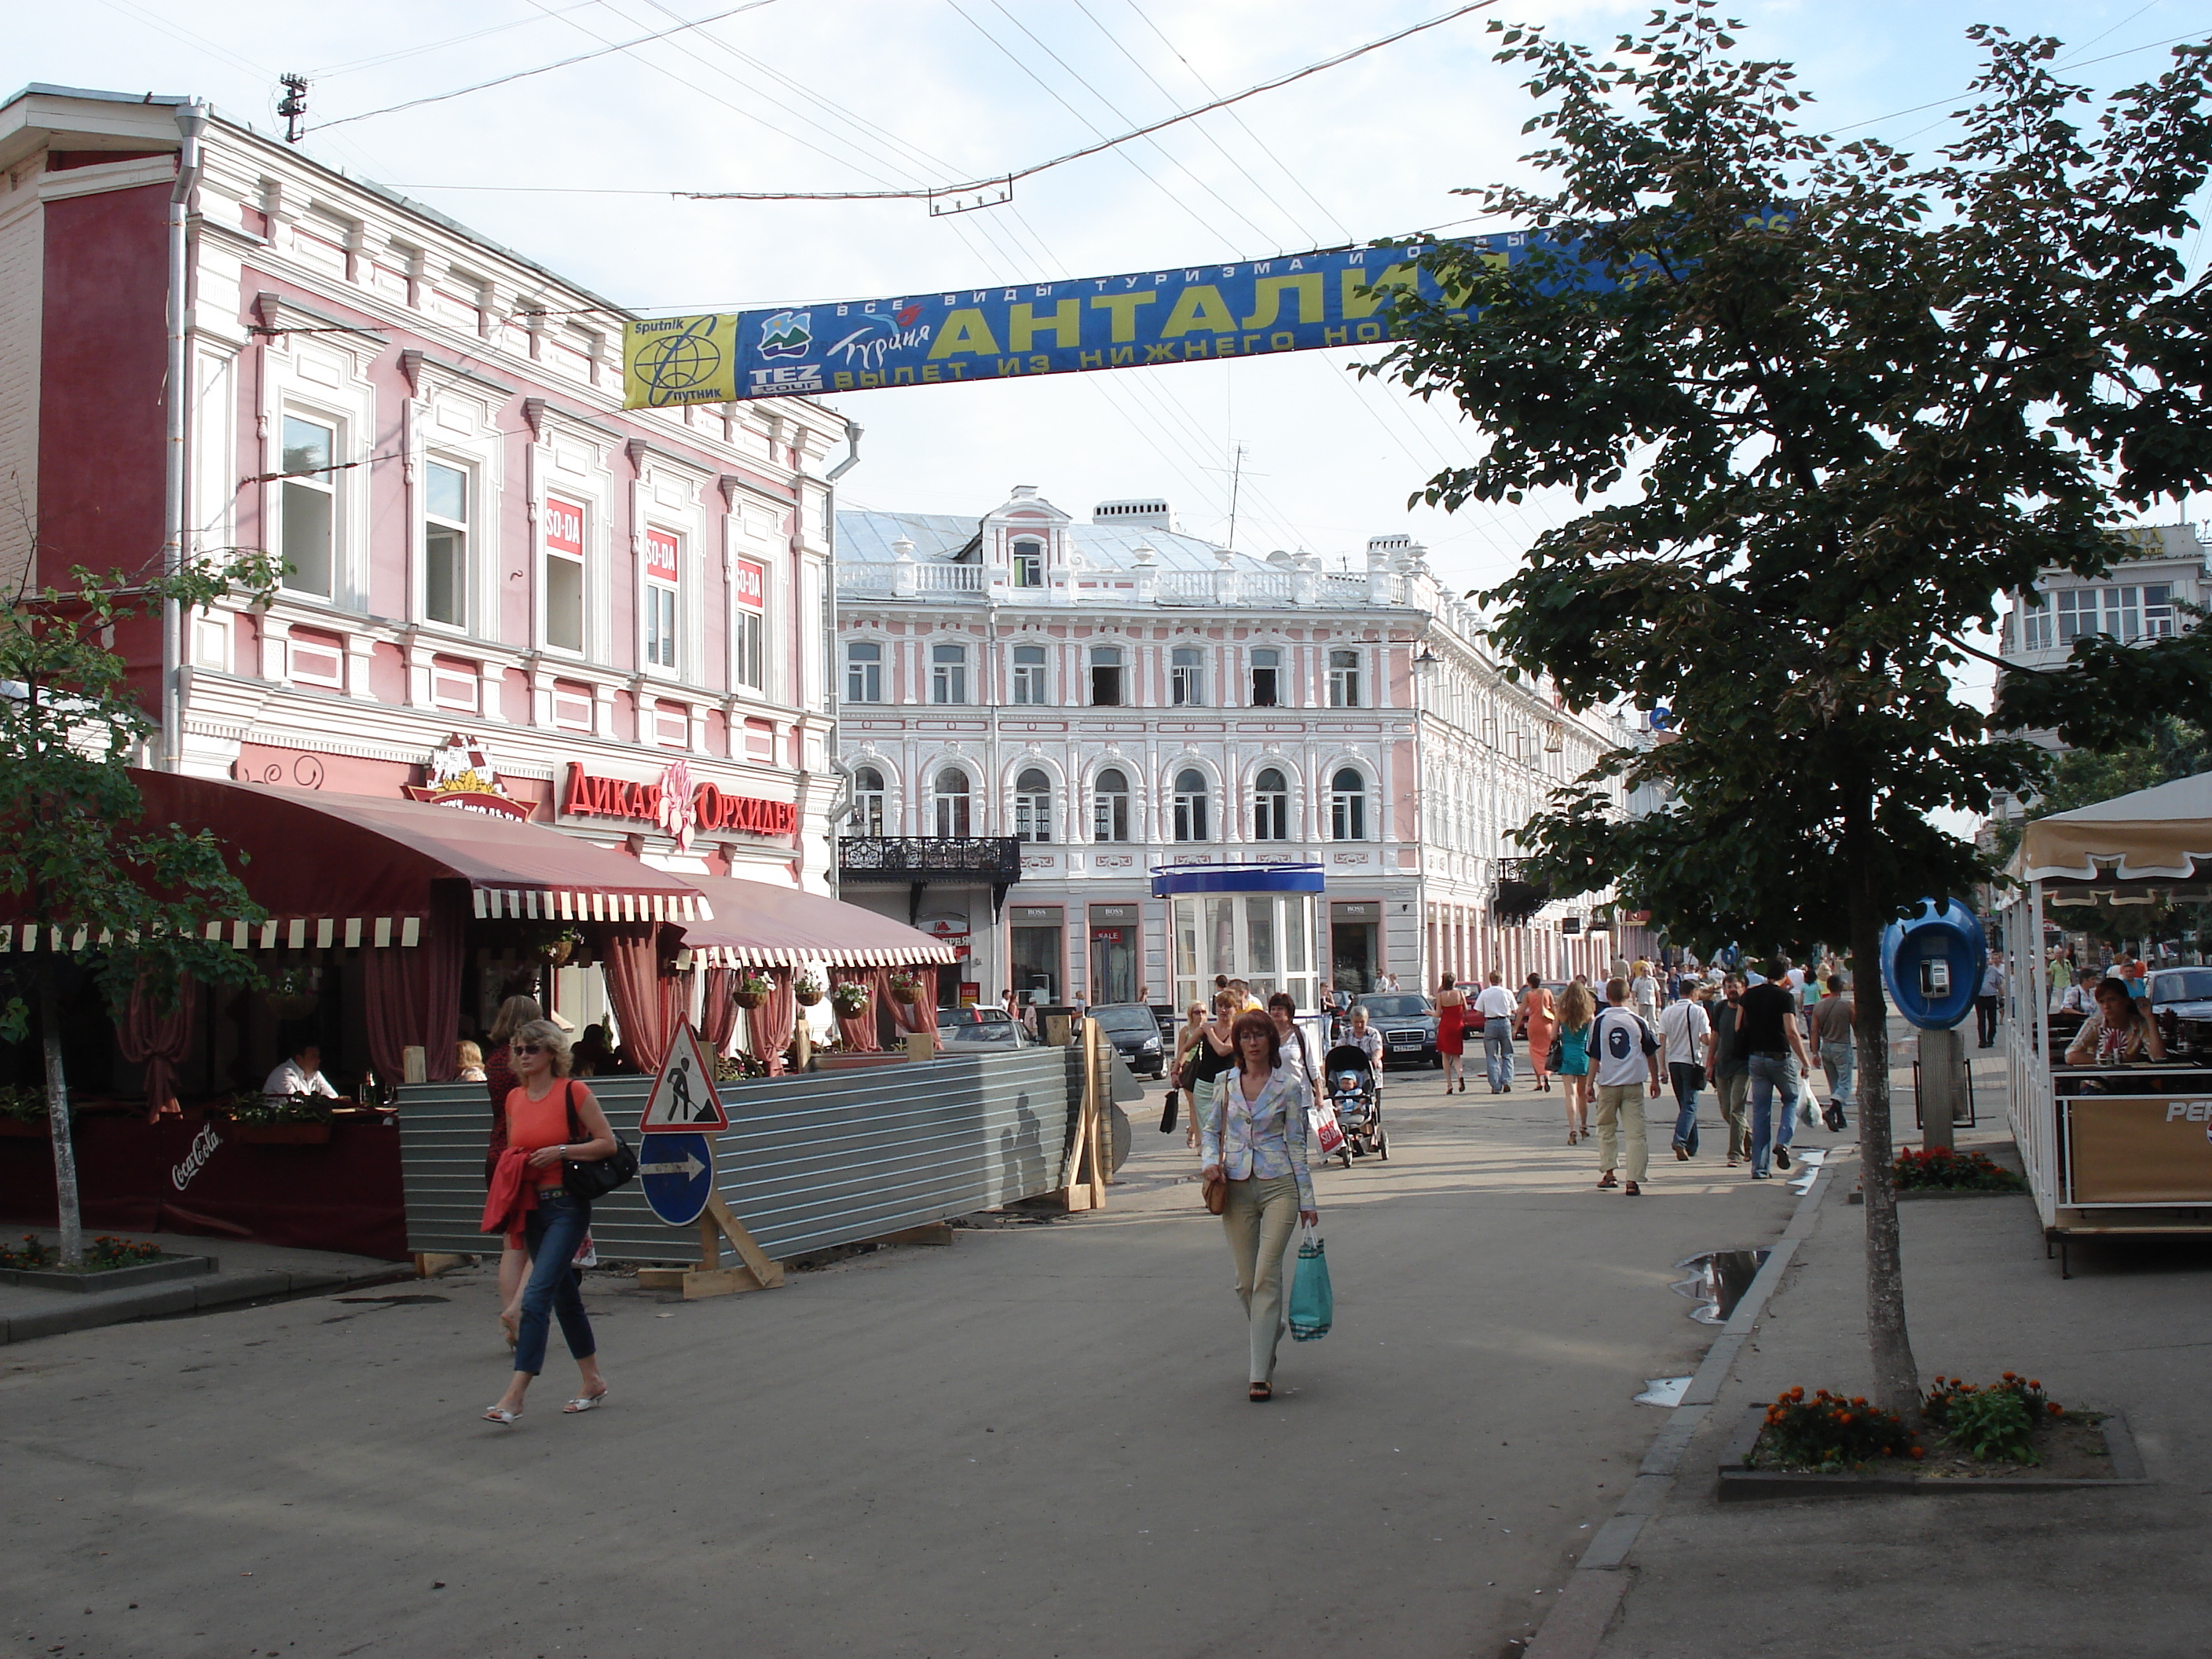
[(1837, 1059), (1687, 1079), (1498, 1052), (1771, 1074), (555, 1231)]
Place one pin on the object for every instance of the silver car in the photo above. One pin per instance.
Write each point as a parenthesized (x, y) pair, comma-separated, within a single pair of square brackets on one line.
[(983, 1028)]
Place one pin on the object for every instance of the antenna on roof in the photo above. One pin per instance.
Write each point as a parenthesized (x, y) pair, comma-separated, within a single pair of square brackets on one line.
[(293, 106)]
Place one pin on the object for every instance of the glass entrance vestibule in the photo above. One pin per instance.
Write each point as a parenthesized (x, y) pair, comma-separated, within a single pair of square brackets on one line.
[(1256, 922)]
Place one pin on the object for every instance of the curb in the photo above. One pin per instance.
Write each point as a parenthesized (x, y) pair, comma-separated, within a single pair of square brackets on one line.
[(1579, 1617), (202, 1295)]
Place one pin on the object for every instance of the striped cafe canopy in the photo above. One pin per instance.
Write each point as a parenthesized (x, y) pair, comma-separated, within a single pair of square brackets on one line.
[(759, 925), (356, 870)]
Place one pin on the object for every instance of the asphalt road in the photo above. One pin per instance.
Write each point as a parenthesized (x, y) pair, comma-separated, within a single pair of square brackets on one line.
[(1035, 1443)]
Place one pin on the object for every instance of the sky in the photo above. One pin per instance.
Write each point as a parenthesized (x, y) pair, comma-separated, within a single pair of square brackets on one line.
[(859, 94)]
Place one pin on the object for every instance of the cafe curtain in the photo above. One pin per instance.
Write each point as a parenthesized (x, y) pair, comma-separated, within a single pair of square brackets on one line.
[(157, 1041), (718, 1013), (857, 1033), (411, 997), (921, 1014), (775, 1020), (646, 1006)]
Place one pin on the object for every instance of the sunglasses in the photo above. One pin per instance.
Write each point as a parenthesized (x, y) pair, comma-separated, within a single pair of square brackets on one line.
[(529, 1048)]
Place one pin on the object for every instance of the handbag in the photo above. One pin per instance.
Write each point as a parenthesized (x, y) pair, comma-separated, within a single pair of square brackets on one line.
[(1313, 1302), (1168, 1112), (1558, 1057), (597, 1179), (1214, 1189)]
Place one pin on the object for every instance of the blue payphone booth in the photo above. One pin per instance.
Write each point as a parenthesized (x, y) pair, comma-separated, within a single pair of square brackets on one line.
[(1932, 964)]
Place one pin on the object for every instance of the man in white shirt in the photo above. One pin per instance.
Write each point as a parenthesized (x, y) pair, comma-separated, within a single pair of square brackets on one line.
[(302, 1074), (1495, 1006), (1683, 1028), (1616, 1045)]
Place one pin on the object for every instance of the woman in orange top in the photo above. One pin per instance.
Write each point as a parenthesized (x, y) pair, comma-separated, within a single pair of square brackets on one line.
[(550, 1118)]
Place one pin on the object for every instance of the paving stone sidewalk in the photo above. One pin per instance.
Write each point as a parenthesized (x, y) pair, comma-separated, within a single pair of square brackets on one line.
[(248, 1274), (2054, 1573)]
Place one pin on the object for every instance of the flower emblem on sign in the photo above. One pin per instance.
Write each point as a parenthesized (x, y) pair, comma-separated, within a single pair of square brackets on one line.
[(675, 809)]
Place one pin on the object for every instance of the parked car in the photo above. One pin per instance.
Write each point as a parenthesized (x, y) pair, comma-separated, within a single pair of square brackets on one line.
[(1408, 1021), (977, 1028), (2187, 993), (1134, 1031)]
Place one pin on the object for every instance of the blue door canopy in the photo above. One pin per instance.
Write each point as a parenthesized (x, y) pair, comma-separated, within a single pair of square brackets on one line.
[(1933, 963), (1169, 879)]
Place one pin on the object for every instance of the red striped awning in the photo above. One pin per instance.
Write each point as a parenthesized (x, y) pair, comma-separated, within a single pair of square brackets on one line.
[(355, 871), (758, 924)]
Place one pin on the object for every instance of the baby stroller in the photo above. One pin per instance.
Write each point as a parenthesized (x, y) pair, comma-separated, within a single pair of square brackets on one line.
[(1356, 1093)]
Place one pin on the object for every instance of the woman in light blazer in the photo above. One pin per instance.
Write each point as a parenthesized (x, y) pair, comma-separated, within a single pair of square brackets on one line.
[(1253, 1132)]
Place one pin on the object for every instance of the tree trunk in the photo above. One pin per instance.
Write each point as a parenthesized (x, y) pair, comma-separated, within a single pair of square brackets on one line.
[(1896, 1373), (57, 1112)]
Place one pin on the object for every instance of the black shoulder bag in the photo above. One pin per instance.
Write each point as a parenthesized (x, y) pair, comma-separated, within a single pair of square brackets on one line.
[(597, 1179)]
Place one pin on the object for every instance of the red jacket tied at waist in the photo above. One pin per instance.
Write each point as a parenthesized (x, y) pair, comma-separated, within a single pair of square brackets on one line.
[(513, 1192)]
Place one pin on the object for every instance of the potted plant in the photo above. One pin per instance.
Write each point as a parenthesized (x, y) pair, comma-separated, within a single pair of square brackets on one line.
[(23, 1113), (560, 947), (752, 990), (291, 994), (807, 989), (272, 1121), (905, 986), (850, 1000)]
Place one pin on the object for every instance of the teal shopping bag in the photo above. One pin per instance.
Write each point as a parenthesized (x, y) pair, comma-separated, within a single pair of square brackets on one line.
[(1313, 1304)]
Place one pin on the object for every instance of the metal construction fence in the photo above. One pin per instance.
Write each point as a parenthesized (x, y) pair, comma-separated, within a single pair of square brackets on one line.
[(808, 1161)]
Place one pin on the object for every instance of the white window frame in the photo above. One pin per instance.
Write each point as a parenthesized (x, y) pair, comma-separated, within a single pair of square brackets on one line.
[(952, 813), (749, 656), (1030, 683), (1348, 808), (1118, 661), (329, 484), (1032, 807), (661, 599), (1027, 553), (1111, 818), (1186, 676), (1271, 809), (548, 555), (948, 674), (1191, 812), (471, 513), (871, 806), (1343, 677), (872, 671), (1254, 668)]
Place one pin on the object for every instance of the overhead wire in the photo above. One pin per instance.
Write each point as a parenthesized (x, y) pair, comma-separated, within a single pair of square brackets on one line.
[(543, 69), (332, 71)]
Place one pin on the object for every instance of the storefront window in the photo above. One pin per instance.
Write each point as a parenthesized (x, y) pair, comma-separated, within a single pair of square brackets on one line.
[(1263, 938)]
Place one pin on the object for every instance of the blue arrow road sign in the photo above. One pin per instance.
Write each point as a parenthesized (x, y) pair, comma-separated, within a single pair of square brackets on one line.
[(678, 1173)]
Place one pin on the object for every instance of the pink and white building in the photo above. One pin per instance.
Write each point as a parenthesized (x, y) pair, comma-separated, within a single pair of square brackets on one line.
[(1037, 711), (621, 614)]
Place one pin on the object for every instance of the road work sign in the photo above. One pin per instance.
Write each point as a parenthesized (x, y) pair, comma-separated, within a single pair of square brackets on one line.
[(684, 1096), (677, 1174)]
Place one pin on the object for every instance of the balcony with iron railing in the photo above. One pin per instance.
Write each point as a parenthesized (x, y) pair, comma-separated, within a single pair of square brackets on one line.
[(1515, 898), (995, 859)]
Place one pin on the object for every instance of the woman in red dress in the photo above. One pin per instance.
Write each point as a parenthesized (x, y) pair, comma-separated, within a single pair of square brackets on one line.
[(1451, 1014)]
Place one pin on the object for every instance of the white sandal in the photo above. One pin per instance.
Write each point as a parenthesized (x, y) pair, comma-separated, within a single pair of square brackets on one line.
[(501, 1414), (586, 1402)]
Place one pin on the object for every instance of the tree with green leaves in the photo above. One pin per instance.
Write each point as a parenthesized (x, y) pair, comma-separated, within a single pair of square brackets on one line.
[(1824, 405), (108, 894)]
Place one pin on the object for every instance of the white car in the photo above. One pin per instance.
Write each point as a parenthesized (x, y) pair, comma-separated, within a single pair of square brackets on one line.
[(983, 1028)]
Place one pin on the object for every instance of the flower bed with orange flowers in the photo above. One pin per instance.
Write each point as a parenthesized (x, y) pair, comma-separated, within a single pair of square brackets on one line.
[(2010, 1432)]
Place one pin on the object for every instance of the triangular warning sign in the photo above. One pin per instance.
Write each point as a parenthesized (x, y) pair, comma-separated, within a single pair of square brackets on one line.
[(684, 1096)]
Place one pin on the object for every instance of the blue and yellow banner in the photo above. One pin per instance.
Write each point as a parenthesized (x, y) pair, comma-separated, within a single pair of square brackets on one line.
[(1190, 313)]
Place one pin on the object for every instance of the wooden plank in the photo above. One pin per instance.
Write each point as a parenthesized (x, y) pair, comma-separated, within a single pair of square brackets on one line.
[(710, 1243), (766, 1273), (700, 1282), (661, 1279), (935, 1233)]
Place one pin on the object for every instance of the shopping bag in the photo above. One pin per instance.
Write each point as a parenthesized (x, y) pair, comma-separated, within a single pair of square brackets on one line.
[(1329, 1133), (1313, 1304)]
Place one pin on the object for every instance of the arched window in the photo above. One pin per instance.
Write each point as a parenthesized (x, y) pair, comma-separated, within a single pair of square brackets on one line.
[(1033, 805), (1190, 806), (1347, 805), (1186, 677), (867, 802), (1028, 565), (1270, 806), (1344, 679), (1109, 806), (954, 806)]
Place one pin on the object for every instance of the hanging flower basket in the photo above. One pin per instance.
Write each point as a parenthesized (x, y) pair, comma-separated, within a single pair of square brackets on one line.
[(290, 1005), (905, 987), (752, 991), (849, 1000), (808, 990)]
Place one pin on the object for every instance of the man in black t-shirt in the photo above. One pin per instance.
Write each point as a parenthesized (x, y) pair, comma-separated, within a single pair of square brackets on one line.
[(1775, 1053)]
